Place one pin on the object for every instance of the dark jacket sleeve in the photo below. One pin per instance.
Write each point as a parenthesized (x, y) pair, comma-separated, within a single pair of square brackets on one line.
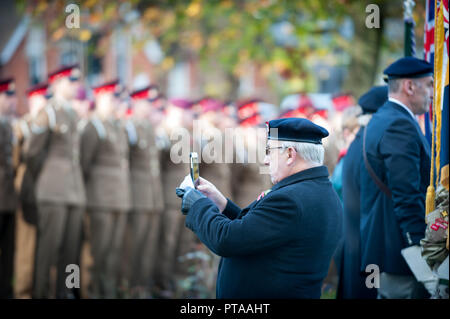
[(270, 224), (400, 147), (232, 210)]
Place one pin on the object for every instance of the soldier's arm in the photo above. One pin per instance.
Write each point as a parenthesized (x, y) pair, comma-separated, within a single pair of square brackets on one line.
[(39, 135), (88, 147), (270, 224), (400, 149), (17, 144), (3, 142), (131, 133)]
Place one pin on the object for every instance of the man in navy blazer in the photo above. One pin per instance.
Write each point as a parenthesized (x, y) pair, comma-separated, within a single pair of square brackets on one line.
[(352, 281), (398, 155), (281, 245)]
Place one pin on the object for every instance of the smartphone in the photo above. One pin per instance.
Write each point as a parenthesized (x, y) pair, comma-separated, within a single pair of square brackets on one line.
[(195, 172)]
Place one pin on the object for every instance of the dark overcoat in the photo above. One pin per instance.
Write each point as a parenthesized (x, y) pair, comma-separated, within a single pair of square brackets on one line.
[(278, 247), (400, 156), (352, 281)]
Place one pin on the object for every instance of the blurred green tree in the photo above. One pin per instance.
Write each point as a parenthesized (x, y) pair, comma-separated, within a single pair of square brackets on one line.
[(284, 39)]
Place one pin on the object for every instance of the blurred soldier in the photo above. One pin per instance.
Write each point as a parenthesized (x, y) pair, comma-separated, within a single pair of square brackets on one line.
[(146, 193), (247, 178), (104, 159), (173, 167), (212, 144), (59, 185), (8, 199), (352, 281), (25, 180), (395, 179), (228, 116)]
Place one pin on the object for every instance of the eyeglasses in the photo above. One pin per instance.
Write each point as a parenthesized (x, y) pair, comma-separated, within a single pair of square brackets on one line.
[(271, 148)]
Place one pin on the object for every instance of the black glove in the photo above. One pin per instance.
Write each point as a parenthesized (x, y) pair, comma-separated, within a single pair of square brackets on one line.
[(189, 196)]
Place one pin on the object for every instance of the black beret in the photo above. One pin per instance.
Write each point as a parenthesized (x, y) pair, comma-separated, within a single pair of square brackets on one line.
[(296, 130), (373, 99), (408, 67)]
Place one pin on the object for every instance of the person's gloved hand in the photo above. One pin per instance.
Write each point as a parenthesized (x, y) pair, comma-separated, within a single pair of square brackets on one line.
[(189, 196)]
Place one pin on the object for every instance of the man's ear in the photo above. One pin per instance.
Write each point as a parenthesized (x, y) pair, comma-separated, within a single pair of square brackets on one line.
[(408, 86), (292, 155)]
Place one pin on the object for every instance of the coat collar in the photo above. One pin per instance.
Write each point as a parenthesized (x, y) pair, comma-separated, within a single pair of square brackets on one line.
[(397, 102), (401, 109), (310, 173)]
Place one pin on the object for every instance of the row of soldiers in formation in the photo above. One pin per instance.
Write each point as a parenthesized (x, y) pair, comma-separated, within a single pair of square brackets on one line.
[(98, 186)]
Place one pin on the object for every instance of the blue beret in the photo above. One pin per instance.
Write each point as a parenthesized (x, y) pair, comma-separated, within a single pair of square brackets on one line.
[(409, 67), (373, 99), (296, 130)]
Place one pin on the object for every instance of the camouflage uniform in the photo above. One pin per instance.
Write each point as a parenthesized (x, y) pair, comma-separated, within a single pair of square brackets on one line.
[(435, 244)]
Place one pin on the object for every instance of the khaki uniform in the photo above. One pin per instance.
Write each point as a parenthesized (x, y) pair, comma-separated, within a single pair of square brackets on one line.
[(147, 205), (213, 167), (8, 201), (59, 193), (248, 182), (172, 220), (26, 217), (26, 176), (104, 158)]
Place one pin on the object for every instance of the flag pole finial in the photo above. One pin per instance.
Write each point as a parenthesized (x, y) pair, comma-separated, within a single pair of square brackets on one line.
[(408, 6)]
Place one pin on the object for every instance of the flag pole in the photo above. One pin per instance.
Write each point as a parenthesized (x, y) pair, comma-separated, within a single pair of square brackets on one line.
[(409, 37)]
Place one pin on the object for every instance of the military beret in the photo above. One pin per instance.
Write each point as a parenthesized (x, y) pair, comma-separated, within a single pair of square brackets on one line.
[(7, 86), (373, 99), (181, 103), (38, 89), (247, 109), (408, 67), (71, 71), (253, 120), (109, 87), (150, 93), (210, 104), (295, 130)]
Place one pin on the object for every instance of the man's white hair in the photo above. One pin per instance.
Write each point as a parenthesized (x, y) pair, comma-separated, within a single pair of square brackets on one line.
[(313, 153)]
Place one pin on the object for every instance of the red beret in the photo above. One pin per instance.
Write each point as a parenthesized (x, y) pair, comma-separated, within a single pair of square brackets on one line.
[(150, 93), (39, 89), (65, 71), (7, 85), (109, 87)]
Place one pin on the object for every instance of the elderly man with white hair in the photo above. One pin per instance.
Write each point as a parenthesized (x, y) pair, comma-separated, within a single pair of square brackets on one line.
[(281, 245)]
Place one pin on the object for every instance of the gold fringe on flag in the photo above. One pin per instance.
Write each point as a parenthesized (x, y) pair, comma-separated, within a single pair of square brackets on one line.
[(437, 102)]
